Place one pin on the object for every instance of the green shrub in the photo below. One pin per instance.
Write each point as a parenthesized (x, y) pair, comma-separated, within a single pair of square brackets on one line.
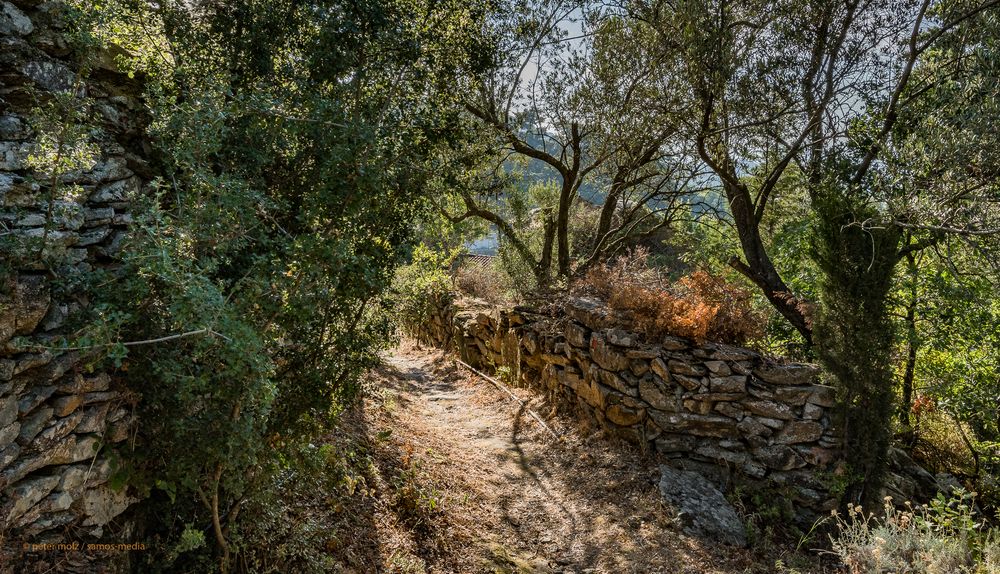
[(421, 286)]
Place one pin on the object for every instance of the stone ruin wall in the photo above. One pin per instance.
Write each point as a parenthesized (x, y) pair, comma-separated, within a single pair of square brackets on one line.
[(58, 420), (728, 413)]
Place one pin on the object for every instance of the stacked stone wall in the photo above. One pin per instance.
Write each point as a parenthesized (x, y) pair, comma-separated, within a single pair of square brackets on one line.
[(59, 419), (729, 413)]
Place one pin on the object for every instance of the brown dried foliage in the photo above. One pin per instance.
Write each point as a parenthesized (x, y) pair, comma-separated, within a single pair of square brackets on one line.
[(481, 281), (700, 306)]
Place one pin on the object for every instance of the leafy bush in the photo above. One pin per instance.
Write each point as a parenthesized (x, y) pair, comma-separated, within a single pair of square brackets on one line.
[(699, 306), (294, 148), (944, 537), (421, 285)]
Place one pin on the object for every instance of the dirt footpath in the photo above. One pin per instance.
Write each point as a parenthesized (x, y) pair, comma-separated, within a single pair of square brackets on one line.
[(464, 480)]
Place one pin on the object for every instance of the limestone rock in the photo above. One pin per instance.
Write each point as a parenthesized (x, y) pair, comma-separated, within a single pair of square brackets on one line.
[(656, 394), (80, 384), (13, 21), (8, 410), (823, 396), (103, 504), (624, 416), (718, 368), (702, 509), (36, 397), (795, 395), (674, 344), (28, 493), (589, 312), (121, 190), (65, 405), (577, 335)]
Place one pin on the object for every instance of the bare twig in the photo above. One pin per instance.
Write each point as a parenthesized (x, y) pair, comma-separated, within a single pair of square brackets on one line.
[(504, 388)]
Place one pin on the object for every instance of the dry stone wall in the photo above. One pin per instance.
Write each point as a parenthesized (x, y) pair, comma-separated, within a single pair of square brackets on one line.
[(726, 412), (58, 419)]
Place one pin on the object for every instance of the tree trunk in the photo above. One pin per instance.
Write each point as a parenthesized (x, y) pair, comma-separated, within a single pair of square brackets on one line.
[(760, 269), (911, 359), (542, 272), (562, 224)]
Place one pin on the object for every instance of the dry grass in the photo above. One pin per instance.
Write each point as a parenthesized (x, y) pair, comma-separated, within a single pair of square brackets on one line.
[(482, 282)]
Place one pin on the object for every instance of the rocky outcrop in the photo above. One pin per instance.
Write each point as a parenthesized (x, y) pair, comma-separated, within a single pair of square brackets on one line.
[(701, 509), (59, 418), (727, 413)]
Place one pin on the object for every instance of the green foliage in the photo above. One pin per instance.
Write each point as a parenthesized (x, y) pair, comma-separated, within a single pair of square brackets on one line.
[(422, 285), (297, 146), (853, 332), (417, 501)]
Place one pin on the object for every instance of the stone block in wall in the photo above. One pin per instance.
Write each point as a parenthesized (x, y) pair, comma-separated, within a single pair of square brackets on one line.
[(685, 368), (34, 423), (590, 312), (59, 428), (638, 367), (24, 302), (658, 394), (698, 406), (675, 344), (779, 457), (728, 384), (794, 395), (812, 412), (624, 416), (607, 356), (577, 335), (103, 504), (795, 432), (36, 396), (732, 410), (9, 433), (718, 368), (621, 338), (79, 384), (69, 450), (696, 424), (622, 382), (715, 452), (729, 353), (8, 410), (817, 455), (795, 374), (770, 409), (716, 397), (93, 418), (824, 396), (26, 494)]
